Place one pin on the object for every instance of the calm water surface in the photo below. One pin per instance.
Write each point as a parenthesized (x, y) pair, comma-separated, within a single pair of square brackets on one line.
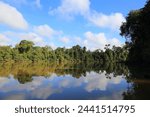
[(33, 82)]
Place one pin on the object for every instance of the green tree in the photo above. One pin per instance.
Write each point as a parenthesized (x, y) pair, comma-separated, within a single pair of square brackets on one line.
[(136, 29), (24, 46)]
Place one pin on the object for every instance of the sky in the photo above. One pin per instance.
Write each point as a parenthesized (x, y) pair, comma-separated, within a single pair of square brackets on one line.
[(65, 23)]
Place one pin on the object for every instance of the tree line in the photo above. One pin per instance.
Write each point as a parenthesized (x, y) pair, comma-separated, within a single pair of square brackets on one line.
[(136, 29), (28, 51)]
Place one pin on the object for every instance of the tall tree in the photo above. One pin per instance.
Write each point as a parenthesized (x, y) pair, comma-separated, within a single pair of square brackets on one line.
[(136, 29), (25, 46)]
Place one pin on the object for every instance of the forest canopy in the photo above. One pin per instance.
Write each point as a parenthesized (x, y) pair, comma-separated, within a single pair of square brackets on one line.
[(136, 29), (28, 51)]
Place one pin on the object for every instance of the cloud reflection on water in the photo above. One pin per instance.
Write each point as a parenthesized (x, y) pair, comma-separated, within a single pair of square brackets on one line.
[(42, 88)]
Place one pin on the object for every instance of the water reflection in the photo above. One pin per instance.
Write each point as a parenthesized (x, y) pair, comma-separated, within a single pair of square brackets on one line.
[(52, 81)]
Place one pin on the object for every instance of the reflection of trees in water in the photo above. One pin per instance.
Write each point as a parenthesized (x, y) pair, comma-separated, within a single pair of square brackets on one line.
[(78, 70), (138, 78), (117, 69), (27, 70), (140, 88), (138, 91), (23, 77)]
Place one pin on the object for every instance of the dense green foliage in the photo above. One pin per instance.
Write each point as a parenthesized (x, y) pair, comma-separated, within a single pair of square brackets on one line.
[(27, 51), (136, 29), (24, 71)]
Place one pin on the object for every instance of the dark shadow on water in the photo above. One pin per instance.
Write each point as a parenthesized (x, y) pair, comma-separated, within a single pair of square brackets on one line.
[(73, 81), (140, 89)]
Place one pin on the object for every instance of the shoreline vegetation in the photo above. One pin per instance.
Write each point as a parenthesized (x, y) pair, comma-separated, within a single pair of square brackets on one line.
[(27, 51), (136, 30)]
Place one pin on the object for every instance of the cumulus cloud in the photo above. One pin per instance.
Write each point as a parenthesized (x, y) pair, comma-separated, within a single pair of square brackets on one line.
[(4, 40), (98, 41), (45, 30), (112, 21), (41, 35), (10, 16), (65, 40), (91, 40), (32, 37), (68, 8)]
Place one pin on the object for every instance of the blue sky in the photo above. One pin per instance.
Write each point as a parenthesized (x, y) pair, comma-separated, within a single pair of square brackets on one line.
[(90, 23)]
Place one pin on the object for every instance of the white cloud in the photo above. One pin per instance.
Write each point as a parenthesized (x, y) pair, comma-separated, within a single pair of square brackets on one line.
[(98, 41), (25, 36), (68, 8), (65, 40), (40, 35), (32, 37), (4, 40), (12, 17), (44, 30), (112, 21), (91, 40)]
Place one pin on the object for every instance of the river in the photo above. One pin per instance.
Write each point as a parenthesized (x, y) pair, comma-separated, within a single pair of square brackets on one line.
[(24, 81)]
